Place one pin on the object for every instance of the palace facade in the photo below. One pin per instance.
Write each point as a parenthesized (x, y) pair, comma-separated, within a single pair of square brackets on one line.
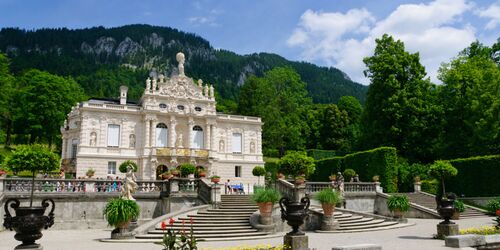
[(174, 122)]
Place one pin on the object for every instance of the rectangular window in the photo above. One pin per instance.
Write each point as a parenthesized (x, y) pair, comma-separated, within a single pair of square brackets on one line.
[(74, 148), (113, 135), (111, 167), (236, 143), (237, 171)]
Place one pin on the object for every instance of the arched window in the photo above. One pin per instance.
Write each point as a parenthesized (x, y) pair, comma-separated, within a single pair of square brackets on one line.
[(161, 135), (197, 137)]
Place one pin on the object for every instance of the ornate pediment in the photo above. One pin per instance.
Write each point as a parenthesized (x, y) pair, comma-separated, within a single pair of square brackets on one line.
[(181, 87)]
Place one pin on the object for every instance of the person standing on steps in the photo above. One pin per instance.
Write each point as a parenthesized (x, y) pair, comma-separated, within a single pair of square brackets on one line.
[(227, 187)]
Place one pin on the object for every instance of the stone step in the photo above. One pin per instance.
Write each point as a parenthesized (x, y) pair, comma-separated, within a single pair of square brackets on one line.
[(213, 231), (205, 236), (208, 222), (255, 208), (235, 211), (357, 221), (215, 216), (362, 223), (223, 219), (208, 227), (382, 224)]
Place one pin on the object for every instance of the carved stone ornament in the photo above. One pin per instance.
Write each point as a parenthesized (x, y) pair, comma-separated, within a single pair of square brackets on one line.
[(181, 87)]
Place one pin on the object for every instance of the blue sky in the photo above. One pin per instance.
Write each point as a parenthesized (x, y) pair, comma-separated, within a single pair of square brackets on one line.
[(335, 33)]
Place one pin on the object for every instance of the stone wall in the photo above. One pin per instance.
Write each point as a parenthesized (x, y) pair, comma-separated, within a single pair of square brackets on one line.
[(415, 211), (84, 211)]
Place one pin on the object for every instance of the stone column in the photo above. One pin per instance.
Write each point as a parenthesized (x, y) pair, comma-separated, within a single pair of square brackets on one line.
[(417, 187), (171, 132), (123, 136), (207, 141), (190, 134), (103, 133), (64, 145), (153, 133), (147, 127), (214, 145), (84, 132), (258, 147)]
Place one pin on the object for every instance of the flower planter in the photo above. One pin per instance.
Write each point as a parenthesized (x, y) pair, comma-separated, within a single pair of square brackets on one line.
[(328, 209), (215, 180), (265, 208), (281, 176), (202, 174), (397, 214), (299, 181)]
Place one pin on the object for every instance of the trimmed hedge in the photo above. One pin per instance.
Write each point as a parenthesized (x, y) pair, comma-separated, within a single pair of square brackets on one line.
[(272, 167), (477, 176), (319, 154), (379, 161)]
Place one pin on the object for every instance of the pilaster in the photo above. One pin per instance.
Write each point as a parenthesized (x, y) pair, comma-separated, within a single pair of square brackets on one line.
[(190, 133)]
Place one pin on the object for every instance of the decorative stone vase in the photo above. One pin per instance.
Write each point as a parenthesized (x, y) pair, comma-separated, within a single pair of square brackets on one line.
[(397, 214), (266, 210), (122, 231), (299, 181), (28, 222), (294, 213), (446, 210)]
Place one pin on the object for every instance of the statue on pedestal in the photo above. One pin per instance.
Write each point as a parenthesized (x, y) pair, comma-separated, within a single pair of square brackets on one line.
[(180, 59), (129, 184)]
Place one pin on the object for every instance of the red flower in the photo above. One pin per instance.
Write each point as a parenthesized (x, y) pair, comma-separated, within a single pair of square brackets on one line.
[(498, 212), (163, 225), (171, 221)]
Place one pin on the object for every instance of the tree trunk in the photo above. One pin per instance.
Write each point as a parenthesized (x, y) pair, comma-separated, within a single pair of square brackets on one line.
[(32, 189), (8, 131), (442, 183)]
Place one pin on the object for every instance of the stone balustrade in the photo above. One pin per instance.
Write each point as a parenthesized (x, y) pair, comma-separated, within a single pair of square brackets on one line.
[(19, 185)]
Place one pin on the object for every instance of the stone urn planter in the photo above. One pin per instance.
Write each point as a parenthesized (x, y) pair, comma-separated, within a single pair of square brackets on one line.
[(328, 199), (300, 181), (265, 199), (294, 213), (28, 222), (119, 212), (215, 179)]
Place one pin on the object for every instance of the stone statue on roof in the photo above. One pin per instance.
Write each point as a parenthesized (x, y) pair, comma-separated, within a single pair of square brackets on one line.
[(180, 59)]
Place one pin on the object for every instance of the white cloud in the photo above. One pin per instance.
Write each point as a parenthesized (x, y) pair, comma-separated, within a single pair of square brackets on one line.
[(493, 13), (343, 40)]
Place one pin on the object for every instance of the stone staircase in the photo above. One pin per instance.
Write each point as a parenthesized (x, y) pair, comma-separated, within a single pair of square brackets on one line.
[(428, 200), (350, 222), (229, 221)]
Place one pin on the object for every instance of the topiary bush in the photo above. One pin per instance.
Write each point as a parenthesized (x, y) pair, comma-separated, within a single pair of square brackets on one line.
[(187, 169), (348, 174), (442, 170), (296, 163), (379, 161), (477, 176), (123, 167)]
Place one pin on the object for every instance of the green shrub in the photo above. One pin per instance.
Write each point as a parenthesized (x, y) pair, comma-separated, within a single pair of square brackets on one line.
[(328, 196), (477, 176), (407, 173), (493, 205), (271, 167), (266, 195), (348, 174), (258, 171), (400, 202), (187, 169), (270, 152), (118, 211), (296, 163), (379, 161), (123, 167), (430, 186), (442, 170), (459, 206)]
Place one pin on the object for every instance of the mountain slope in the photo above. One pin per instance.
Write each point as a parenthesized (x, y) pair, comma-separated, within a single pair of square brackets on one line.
[(101, 59)]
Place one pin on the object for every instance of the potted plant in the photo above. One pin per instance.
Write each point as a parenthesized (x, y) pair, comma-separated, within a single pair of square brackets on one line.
[(299, 180), (328, 199), (166, 175), (398, 204), (119, 212), (459, 208), (90, 173), (280, 176), (376, 178), (296, 164), (175, 172), (29, 221), (258, 171), (332, 177), (123, 167), (215, 178), (265, 199), (187, 170), (349, 174), (442, 170), (202, 173)]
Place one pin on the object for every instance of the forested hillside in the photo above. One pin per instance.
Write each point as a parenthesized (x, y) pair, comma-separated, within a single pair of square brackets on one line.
[(101, 59)]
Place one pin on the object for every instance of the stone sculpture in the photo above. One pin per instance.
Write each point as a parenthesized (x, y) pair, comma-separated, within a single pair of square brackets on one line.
[(180, 59), (129, 184)]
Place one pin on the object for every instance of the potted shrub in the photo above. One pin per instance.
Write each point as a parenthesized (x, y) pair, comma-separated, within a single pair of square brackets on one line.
[(215, 178), (90, 173), (202, 173), (175, 172), (459, 208), (376, 178), (166, 175), (328, 199), (442, 170), (296, 164), (258, 171), (123, 167), (187, 170), (332, 177), (29, 221), (398, 204), (265, 199), (299, 180), (119, 212), (280, 176), (349, 174)]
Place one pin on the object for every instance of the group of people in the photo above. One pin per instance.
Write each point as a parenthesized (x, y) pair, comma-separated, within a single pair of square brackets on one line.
[(233, 189)]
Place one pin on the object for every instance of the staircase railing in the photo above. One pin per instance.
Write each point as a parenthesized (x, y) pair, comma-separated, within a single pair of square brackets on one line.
[(204, 191), (286, 188)]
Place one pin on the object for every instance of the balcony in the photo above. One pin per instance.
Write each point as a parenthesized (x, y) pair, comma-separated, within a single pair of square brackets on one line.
[(182, 152)]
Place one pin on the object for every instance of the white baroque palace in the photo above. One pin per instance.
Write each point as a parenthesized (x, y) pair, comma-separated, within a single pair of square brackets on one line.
[(174, 122)]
